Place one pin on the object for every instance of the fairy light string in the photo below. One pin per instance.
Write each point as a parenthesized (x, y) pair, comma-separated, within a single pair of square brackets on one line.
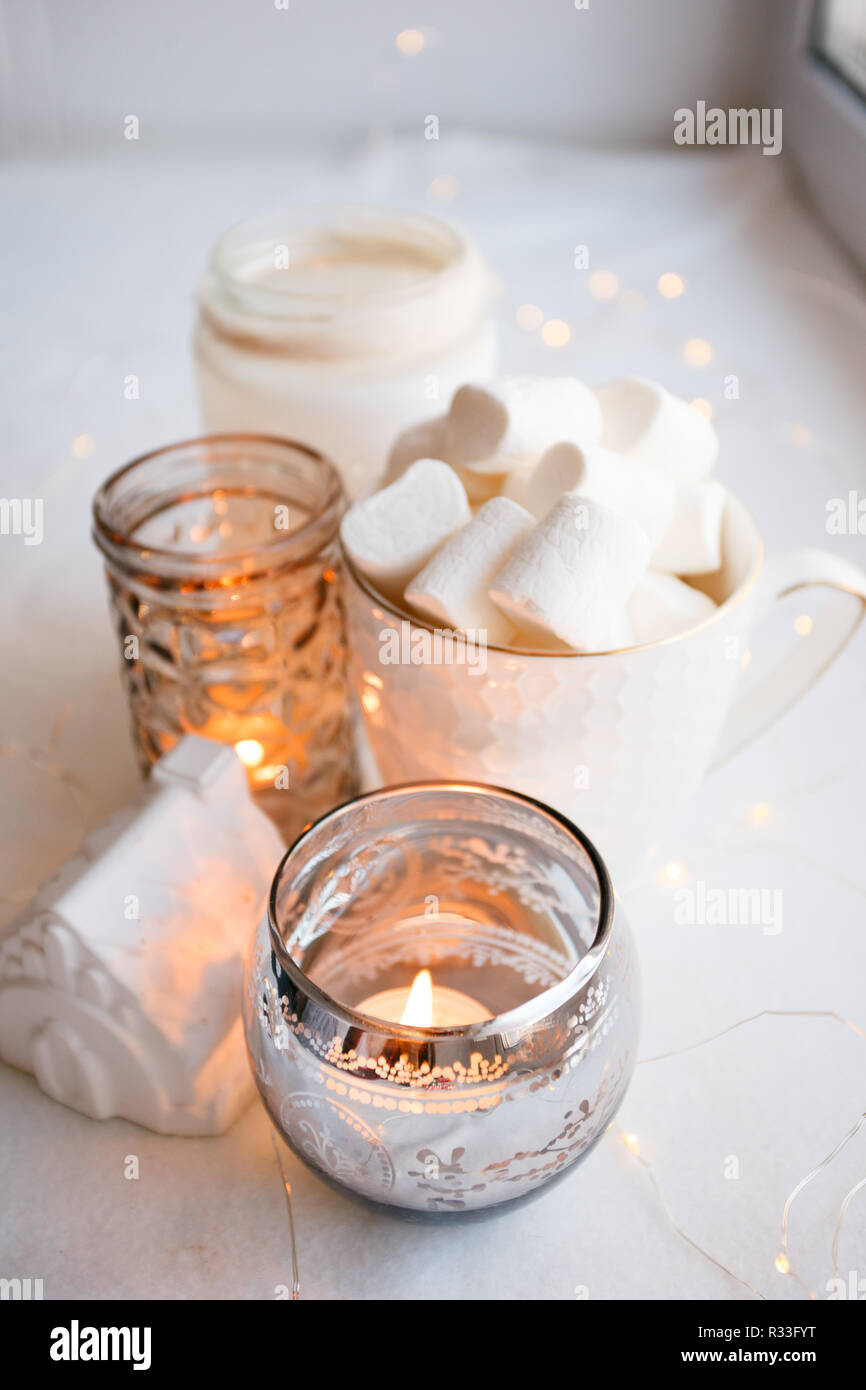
[(293, 1245), (633, 1146), (846, 1202), (782, 1262)]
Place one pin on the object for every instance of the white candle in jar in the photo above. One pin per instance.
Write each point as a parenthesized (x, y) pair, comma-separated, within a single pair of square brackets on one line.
[(424, 1004), (324, 324)]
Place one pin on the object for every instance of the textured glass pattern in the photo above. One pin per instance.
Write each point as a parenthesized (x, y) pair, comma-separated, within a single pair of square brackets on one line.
[(500, 900), (235, 631)]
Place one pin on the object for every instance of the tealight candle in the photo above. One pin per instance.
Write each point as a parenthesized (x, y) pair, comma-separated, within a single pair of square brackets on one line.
[(425, 1005)]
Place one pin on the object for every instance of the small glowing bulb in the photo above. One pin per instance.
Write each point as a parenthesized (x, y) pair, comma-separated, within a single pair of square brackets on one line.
[(803, 624), (783, 1264), (444, 187), (556, 333), (697, 352), (82, 446), (529, 317), (702, 406), (631, 1143), (409, 42), (745, 659), (671, 285), (760, 813), (250, 752), (673, 871), (603, 284)]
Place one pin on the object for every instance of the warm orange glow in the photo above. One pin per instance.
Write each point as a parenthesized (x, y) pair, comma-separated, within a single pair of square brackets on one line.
[(250, 752), (418, 1012)]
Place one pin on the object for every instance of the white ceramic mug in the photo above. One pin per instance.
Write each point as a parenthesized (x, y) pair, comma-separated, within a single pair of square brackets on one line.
[(616, 740)]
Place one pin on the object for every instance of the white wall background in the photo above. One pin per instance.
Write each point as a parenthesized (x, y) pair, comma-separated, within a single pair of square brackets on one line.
[(213, 74)]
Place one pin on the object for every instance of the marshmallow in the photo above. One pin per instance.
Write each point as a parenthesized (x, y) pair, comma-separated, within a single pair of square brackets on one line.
[(509, 423), (662, 605), (692, 543), (422, 441), (452, 587), (644, 420), (623, 484), (427, 441), (391, 535), (571, 574)]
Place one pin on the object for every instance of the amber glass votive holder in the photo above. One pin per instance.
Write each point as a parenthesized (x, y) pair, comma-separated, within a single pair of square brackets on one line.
[(224, 578)]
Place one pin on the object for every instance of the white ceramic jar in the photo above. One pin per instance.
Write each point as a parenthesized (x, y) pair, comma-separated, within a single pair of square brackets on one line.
[(340, 326)]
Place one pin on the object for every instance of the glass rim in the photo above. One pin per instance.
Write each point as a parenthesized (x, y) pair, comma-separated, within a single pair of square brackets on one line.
[(115, 543), (456, 246), (532, 1011)]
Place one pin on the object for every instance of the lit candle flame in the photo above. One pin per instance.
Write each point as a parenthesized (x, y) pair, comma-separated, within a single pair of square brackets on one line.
[(250, 752), (419, 1006)]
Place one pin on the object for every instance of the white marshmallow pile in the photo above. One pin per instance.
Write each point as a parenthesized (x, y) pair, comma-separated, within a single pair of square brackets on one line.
[(541, 513)]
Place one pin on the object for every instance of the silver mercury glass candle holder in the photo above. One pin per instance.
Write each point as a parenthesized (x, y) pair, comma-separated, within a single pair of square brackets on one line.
[(441, 1006)]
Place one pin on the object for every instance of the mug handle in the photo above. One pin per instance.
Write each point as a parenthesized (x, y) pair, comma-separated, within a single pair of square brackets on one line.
[(798, 671)]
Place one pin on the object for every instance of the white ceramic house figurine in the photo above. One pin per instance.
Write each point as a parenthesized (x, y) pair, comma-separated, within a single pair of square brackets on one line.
[(120, 984)]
